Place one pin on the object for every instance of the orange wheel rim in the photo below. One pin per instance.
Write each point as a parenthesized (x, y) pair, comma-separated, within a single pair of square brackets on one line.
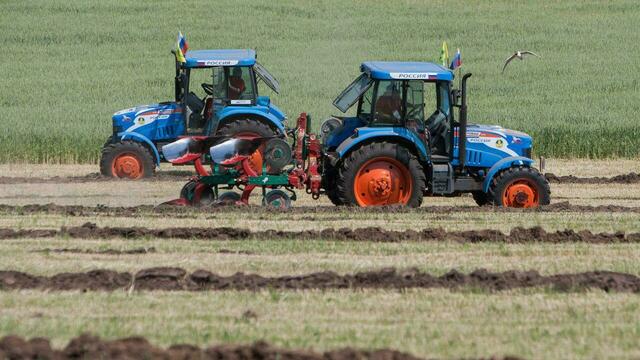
[(256, 159), (383, 181), (127, 166), (521, 193)]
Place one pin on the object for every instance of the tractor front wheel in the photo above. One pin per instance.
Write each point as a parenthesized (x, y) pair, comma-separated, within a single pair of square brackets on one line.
[(126, 160), (520, 187), (381, 174)]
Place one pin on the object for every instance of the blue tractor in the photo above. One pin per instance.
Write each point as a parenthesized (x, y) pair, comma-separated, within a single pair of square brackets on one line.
[(228, 104), (404, 142)]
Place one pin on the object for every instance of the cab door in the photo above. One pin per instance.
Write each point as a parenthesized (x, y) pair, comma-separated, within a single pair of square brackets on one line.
[(217, 100), (414, 108)]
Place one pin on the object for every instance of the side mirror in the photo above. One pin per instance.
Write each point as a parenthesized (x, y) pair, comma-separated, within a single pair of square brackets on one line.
[(457, 96)]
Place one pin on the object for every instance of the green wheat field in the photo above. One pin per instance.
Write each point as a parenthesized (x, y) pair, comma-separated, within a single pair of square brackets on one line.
[(68, 65)]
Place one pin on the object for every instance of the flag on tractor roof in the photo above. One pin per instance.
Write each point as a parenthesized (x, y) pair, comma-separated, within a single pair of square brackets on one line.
[(181, 48), (457, 61), (444, 54)]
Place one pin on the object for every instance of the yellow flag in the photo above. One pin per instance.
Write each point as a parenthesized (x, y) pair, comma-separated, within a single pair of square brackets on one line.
[(179, 54), (444, 54)]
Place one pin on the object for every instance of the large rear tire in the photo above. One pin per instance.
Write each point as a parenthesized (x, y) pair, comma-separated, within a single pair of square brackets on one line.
[(249, 127), (481, 198), (329, 176), (521, 187), (381, 174), (126, 160)]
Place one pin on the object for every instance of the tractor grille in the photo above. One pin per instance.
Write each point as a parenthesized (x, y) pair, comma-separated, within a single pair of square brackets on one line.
[(474, 157), (527, 153)]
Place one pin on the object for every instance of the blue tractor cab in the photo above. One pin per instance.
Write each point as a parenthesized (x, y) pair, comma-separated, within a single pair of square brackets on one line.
[(405, 142), (216, 93)]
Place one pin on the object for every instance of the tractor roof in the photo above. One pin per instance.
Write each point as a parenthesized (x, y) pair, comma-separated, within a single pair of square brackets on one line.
[(403, 70), (227, 57)]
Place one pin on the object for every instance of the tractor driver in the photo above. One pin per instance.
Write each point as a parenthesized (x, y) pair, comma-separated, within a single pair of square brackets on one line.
[(388, 105), (438, 125), (236, 84)]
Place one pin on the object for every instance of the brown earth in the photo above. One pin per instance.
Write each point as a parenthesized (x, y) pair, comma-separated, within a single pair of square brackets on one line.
[(91, 347), (172, 279), (135, 251), (374, 234), (171, 175), (186, 212), (630, 178)]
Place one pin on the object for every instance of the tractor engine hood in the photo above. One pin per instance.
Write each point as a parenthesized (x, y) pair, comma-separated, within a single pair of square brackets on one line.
[(143, 115), (498, 140)]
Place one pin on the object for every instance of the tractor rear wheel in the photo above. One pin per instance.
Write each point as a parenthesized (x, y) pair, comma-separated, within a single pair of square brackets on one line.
[(126, 160), (381, 174), (329, 176), (249, 127), (520, 187), (481, 198)]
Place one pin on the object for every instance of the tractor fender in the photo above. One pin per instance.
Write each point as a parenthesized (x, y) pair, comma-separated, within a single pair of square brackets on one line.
[(143, 139), (235, 112), (504, 164), (391, 134)]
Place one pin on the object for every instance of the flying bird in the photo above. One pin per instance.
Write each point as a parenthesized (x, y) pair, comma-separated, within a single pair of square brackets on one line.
[(518, 54)]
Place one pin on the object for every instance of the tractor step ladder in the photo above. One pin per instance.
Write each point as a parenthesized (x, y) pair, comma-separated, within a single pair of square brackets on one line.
[(442, 178)]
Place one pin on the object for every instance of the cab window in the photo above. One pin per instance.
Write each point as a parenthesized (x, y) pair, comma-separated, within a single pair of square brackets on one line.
[(365, 105), (240, 85), (415, 106), (219, 83), (387, 108)]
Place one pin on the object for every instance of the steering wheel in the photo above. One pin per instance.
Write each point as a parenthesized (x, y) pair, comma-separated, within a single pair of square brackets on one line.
[(415, 111), (208, 88), (436, 122)]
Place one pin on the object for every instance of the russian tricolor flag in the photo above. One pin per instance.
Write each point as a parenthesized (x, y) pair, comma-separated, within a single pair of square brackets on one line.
[(182, 43), (181, 48), (457, 61)]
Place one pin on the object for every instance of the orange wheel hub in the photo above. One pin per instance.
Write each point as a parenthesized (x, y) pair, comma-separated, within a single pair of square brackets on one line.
[(383, 181), (127, 166), (521, 193), (256, 160)]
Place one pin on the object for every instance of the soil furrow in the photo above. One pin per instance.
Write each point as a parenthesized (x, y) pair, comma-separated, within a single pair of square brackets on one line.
[(87, 346), (178, 279), (173, 175), (136, 251), (373, 234), (185, 212), (630, 178)]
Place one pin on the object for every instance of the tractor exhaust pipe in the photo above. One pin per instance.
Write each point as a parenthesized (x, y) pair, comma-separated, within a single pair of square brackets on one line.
[(177, 80), (462, 130)]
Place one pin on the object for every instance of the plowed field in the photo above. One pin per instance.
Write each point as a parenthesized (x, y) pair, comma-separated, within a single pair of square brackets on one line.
[(83, 254)]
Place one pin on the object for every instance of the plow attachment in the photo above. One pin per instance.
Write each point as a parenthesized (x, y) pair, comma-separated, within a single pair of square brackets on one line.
[(230, 165)]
